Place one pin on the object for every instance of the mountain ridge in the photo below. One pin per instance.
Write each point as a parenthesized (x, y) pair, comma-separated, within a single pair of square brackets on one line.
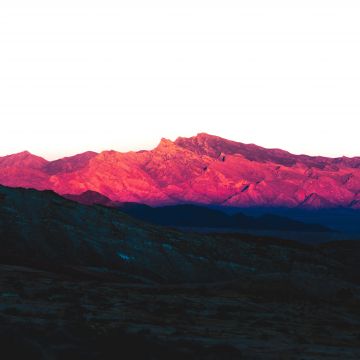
[(203, 169)]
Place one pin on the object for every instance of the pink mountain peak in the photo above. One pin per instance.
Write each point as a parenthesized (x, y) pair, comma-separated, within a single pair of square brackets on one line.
[(165, 144), (22, 158), (203, 169), (70, 164)]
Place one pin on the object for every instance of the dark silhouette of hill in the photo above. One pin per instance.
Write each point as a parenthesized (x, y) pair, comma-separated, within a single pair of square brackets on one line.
[(337, 220), (199, 216)]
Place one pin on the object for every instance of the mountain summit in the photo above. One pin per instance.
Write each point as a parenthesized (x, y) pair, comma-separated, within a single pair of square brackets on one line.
[(203, 169)]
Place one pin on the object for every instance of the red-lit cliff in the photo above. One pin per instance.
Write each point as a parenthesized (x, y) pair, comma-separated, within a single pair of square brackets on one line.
[(203, 169)]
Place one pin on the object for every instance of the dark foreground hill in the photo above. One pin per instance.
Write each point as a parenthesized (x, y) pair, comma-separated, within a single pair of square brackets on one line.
[(44, 228), (90, 282)]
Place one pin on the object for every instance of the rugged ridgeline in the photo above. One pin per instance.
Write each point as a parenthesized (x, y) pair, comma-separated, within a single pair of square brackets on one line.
[(203, 169)]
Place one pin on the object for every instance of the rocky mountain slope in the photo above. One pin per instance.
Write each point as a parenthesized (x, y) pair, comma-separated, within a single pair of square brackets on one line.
[(43, 228), (204, 169)]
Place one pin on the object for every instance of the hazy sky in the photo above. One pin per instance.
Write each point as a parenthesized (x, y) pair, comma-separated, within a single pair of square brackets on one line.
[(92, 75)]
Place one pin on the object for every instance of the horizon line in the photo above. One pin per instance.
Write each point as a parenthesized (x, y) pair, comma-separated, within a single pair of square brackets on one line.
[(174, 142)]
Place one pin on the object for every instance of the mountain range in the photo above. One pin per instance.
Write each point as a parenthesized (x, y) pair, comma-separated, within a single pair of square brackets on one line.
[(203, 169)]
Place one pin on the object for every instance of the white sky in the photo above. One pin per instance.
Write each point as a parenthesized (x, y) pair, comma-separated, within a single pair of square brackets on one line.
[(92, 75)]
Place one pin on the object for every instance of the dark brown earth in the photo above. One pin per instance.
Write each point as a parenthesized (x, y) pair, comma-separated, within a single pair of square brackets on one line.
[(66, 316)]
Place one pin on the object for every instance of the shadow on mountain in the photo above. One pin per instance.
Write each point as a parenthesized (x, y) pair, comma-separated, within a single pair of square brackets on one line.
[(203, 217), (195, 216)]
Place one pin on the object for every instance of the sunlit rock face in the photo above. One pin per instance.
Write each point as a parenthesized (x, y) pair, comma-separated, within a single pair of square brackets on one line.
[(203, 169)]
